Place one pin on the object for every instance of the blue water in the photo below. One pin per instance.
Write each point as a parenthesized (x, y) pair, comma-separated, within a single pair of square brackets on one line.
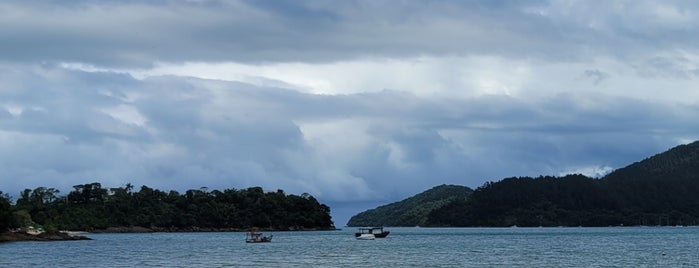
[(404, 247)]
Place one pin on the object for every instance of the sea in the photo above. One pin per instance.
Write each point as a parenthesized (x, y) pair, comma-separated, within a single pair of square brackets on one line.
[(404, 247)]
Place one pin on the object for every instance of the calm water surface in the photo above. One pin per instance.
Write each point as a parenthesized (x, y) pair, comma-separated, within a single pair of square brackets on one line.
[(404, 247)]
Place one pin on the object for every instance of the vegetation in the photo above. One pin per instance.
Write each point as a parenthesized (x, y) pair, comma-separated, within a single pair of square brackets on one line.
[(412, 211), (572, 200), (91, 207), (5, 212), (660, 190)]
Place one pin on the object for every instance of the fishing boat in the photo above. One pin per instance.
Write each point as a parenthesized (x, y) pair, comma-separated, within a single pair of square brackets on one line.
[(257, 237), (377, 232)]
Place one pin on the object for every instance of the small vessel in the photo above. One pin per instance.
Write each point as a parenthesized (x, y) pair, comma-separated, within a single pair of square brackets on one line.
[(377, 232), (257, 237), (366, 237)]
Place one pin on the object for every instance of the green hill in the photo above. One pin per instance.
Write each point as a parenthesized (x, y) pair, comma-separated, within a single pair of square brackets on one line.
[(412, 211), (660, 190)]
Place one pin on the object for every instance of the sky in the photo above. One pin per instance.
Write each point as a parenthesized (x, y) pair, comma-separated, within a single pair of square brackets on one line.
[(358, 103)]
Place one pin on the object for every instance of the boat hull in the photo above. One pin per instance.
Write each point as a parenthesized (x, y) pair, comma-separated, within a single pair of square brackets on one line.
[(366, 237), (261, 240)]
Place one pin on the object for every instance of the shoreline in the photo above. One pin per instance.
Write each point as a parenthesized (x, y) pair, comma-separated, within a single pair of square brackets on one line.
[(80, 234)]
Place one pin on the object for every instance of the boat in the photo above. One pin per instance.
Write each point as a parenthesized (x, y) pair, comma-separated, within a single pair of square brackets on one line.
[(366, 237), (377, 232), (257, 237)]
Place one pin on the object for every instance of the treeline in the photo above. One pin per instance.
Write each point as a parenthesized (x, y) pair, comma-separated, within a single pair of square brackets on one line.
[(660, 190), (91, 207), (573, 200)]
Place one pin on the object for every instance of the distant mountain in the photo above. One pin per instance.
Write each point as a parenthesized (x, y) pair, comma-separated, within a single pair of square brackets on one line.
[(412, 211), (659, 190)]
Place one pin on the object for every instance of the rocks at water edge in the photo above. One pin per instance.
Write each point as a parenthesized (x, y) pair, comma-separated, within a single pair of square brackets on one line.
[(59, 236)]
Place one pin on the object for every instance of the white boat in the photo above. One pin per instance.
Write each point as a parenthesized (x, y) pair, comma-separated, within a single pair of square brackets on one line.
[(378, 232), (366, 237)]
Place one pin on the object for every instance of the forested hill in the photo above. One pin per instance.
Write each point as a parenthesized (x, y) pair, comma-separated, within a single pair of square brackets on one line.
[(665, 183), (679, 163), (660, 190), (412, 211), (91, 207)]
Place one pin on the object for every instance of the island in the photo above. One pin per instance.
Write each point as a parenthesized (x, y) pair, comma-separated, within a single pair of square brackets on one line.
[(92, 208)]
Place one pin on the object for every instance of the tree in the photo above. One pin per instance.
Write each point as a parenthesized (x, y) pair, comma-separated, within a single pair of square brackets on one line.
[(87, 193), (5, 212), (21, 219)]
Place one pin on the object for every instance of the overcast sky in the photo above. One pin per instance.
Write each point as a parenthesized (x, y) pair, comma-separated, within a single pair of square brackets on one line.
[(358, 103)]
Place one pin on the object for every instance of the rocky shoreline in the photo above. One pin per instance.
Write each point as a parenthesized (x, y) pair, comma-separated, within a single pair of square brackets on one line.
[(19, 236)]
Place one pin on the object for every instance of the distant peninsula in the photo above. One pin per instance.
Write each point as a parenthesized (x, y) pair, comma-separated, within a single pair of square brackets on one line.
[(91, 208), (658, 191)]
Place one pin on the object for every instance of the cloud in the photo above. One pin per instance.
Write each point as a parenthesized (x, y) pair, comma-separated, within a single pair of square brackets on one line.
[(595, 75), (590, 171), (460, 77), (355, 102), (142, 33), (175, 132)]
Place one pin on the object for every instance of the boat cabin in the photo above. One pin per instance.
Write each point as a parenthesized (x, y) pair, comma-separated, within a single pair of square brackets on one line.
[(378, 232)]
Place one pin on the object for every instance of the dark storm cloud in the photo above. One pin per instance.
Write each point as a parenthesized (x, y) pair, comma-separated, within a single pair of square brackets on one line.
[(140, 33)]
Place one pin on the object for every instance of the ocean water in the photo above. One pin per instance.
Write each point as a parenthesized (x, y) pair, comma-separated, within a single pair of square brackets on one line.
[(404, 247)]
